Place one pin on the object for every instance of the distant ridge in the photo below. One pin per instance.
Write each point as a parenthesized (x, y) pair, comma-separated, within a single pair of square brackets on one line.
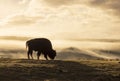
[(14, 38), (97, 40), (75, 53), (82, 39)]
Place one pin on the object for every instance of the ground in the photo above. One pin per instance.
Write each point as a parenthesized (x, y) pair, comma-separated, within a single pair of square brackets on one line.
[(59, 70)]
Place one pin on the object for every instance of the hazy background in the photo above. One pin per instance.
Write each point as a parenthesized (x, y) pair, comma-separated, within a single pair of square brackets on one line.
[(89, 27)]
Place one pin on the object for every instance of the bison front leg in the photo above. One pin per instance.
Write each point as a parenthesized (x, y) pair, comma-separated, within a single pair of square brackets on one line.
[(38, 55), (45, 55)]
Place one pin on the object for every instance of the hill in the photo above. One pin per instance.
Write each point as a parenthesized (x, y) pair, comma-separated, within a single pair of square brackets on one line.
[(75, 53), (59, 70)]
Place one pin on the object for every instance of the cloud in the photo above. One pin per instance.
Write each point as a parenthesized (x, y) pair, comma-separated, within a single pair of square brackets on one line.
[(58, 3), (98, 2), (47, 9), (20, 19), (23, 1), (23, 20), (87, 19), (112, 6)]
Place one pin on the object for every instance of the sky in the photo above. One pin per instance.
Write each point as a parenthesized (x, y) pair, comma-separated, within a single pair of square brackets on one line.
[(61, 19)]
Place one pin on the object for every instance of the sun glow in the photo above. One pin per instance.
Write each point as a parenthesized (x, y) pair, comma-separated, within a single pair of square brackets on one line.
[(64, 22)]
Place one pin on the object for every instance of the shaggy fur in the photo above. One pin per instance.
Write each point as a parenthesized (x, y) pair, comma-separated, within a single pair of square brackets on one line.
[(41, 46)]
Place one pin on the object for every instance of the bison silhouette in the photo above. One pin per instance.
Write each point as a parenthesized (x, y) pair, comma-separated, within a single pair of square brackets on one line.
[(41, 46)]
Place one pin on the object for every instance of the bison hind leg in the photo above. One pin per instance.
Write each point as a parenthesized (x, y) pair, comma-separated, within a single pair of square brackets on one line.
[(29, 53)]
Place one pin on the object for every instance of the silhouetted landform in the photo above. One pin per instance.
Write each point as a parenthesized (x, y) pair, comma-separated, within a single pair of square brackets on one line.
[(56, 70), (12, 51), (112, 53), (82, 39), (76, 54), (96, 40), (15, 38)]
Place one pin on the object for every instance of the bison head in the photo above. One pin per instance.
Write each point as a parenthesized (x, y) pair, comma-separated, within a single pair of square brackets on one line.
[(52, 54)]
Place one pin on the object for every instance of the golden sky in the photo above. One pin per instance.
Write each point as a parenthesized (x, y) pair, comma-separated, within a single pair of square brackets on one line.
[(60, 19)]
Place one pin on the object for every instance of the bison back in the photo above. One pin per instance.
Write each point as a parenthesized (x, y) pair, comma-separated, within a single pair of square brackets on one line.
[(39, 44)]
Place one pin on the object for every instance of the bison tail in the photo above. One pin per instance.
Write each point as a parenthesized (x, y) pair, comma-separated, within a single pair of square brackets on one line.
[(26, 45)]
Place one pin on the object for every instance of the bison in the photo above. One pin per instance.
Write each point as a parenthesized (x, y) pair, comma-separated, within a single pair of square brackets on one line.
[(41, 46)]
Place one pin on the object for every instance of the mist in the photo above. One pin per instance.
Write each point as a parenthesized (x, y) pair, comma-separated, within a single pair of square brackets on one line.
[(89, 49)]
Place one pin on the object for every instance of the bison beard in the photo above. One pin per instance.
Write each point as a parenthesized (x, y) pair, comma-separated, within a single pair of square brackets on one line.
[(41, 46)]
